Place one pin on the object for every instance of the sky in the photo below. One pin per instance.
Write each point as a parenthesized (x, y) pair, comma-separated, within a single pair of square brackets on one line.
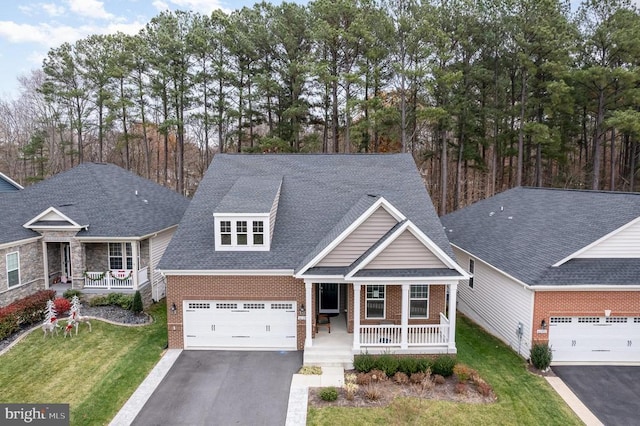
[(29, 28)]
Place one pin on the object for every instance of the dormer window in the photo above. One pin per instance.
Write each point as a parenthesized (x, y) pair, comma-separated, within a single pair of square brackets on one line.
[(242, 233)]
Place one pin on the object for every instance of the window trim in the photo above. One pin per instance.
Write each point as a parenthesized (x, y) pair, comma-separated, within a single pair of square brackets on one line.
[(17, 254), (472, 267), (235, 221), (124, 256), (419, 298), (384, 301)]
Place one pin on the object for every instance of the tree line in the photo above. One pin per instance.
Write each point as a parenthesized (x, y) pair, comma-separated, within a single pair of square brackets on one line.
[(486, 94)]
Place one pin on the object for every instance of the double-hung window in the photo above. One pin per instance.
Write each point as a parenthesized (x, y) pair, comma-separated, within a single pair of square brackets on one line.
[(120, 256), (258, 232), (244, 233), (13, 268), (419, 301), (472, 266), (241, 232), (375, 301), (225, 232)]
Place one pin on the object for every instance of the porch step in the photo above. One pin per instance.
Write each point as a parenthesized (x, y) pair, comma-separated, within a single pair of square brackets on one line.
[(326, 357)]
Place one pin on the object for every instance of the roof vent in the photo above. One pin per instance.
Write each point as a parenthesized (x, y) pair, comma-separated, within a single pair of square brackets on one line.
[(492, 213)]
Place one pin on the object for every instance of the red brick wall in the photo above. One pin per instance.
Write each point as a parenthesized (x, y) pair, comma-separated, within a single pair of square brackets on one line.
[(582, 303), (180, 288), (393, 306)]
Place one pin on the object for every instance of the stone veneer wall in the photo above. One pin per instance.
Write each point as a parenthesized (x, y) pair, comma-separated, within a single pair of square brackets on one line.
[(31, 272), (54, 260), (97, 256)]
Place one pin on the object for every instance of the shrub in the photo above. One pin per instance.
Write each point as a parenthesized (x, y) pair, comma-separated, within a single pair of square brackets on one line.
[(460, 388), (363, 363), (377, 375), (329, 394), (350, 390), (444, 365), (463, 372), (417, 378), (26, 311), (387, 363), (310, 370), (363, 378), (136, 304), (125, 301), (401, 378), (408, 365), (372, 393), (424, 364), (439, 380), (62, 305), (68, 294), (541, 356), (483, 388), (350, 378)]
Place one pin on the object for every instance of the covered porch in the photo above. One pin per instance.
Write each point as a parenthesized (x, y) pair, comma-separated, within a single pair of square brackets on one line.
[(380, 318)]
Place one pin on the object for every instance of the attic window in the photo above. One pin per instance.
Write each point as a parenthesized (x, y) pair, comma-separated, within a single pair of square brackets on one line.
[(225, 232), (241, 228), (258, 232), (242, 233)]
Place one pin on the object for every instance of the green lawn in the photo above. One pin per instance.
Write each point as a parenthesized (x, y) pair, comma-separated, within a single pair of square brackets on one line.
[(523, 398), (93, 372)]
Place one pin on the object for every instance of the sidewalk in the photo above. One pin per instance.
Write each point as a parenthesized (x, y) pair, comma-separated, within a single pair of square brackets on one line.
[(573, 402), (298, 395)]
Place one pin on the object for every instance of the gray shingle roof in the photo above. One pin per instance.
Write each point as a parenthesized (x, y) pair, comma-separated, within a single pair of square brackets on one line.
[(407, 273), (523, 231), (100, 195), (318, 192), (7, 184), (593, 271), (250, 195)]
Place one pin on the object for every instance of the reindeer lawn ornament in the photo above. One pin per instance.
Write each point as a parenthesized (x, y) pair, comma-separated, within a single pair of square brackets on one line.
[(69, 328), (76, 318), (50, 326)]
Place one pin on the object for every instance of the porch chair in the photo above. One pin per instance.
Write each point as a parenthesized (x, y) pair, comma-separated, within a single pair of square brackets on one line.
[(323, 320)]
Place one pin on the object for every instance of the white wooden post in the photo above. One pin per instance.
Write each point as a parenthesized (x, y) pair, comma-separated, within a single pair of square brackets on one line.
[(453, 292), (356, 316), (45, 259), (404, 321), (135, 264), (308, 341)]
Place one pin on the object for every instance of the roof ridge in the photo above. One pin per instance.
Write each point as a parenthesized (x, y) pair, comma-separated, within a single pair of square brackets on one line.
[(588, 191)]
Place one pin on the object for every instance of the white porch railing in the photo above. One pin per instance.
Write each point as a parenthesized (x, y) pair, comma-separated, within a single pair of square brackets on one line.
[(115, 279), (417, 335), (143, 275)]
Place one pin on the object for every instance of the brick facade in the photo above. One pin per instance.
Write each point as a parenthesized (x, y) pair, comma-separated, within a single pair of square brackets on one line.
[(180, 288), (582, 303), (31, 272)]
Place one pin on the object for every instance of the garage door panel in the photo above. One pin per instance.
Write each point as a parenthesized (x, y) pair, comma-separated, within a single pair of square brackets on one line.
[(240, 324), (595, 339)]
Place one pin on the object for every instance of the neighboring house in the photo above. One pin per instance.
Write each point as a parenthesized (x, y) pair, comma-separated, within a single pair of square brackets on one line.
[(8, 185), (554, 265), (96, 227), (269, 242)]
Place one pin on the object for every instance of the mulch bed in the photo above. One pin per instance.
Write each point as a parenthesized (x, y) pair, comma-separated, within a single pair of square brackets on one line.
[(388, 390)]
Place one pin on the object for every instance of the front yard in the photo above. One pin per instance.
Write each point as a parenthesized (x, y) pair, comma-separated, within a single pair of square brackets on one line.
[(93, 372), (522, 397)]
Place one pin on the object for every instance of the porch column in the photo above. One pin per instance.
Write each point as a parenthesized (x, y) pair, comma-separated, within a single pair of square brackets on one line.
[(453, 293), (134, 253), (308, 286), (356, 316), (404, 321), (76, 249), (45, 259)]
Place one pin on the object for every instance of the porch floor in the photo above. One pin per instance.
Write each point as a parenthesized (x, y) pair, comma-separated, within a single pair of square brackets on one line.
[(331, 349)]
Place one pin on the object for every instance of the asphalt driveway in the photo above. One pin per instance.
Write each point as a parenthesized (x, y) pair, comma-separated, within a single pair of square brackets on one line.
[(610, 392), (223, 388)]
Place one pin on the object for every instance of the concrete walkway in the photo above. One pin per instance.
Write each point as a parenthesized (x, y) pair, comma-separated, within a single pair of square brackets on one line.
[(573, 402), (298, 395), (134, 404)]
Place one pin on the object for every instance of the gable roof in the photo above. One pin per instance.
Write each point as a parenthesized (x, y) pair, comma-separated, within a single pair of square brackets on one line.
[(524, 231), (321, 195), (8, 185), (113, 202)]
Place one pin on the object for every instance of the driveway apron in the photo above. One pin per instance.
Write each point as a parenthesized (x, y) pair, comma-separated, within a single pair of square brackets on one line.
[(223, 388), (610, 392)]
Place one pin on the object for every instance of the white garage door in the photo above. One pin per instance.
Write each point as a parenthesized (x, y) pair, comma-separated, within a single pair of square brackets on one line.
[(595, 339), (242, 324)]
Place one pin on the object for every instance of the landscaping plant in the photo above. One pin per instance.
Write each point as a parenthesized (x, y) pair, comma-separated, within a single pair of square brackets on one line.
[(443, 365), (541, 356), (136, 306), (329, 394)]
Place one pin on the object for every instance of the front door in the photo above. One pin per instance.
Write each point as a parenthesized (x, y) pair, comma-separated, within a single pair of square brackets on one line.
[(329, 298)]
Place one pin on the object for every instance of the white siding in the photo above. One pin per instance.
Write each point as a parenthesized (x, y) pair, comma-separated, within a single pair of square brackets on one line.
[(273, 212), (157, 246), (624, 244), (497, 303), (406, 251), (363, 237)]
